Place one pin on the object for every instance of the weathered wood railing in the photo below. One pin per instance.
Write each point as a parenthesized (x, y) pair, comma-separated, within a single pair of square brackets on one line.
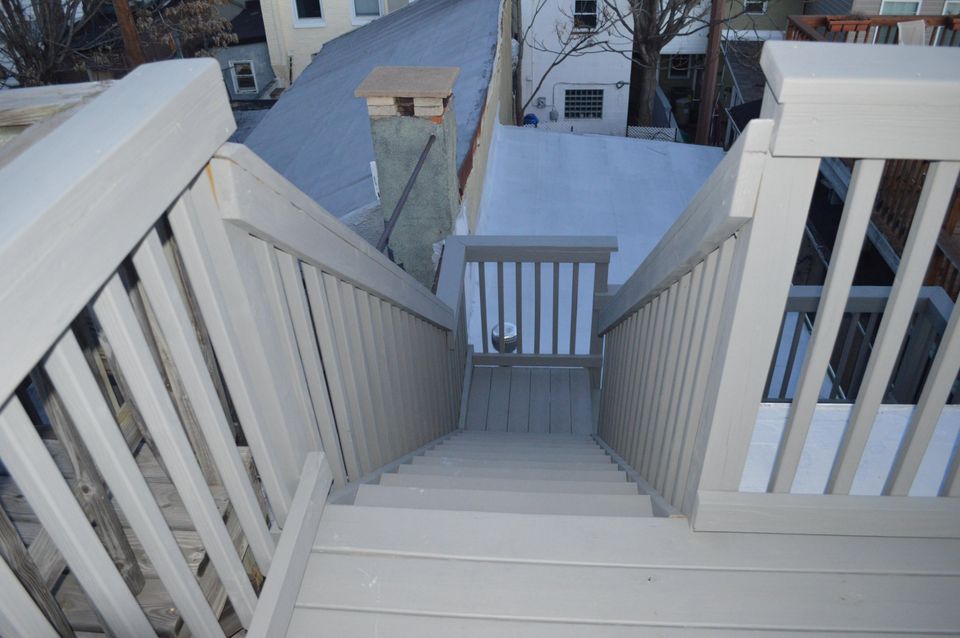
[(690, 337), (858, 330), (942, 30), (235, 318), (547, 287)]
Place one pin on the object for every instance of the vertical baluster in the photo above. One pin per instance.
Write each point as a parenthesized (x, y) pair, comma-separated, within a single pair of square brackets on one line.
[(178, 332), (934, 199), (792, 355), (19, 614), (500, 313), (518, 272), (844, 361), (556, 308), (923, 419), (702, 281), (950, 485), (600, 272), (484, 336), (536, 307), (573, 307), (113, 310), (719, 284), (29, 463), (853, 227), (77, 388), (863, 354), (768, 387)]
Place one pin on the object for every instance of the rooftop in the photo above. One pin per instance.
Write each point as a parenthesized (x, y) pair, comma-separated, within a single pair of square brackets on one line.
[(318, 134)]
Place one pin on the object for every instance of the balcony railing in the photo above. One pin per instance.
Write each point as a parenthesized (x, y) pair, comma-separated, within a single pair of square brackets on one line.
[(939, 31)]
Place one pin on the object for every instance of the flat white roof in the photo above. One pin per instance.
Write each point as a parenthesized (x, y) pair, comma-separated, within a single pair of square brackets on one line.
[(545, 183)]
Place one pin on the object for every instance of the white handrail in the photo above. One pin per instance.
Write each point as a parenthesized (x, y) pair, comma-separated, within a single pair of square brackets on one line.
[(76, 202)]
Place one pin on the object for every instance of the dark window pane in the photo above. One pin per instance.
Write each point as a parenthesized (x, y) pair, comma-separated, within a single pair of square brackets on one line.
[(583, 104), (309, 9)]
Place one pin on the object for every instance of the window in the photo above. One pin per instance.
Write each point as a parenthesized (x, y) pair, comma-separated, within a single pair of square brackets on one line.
[(679, 68), (583, 104), (308, 9), (244, 80), (951, 8), (755, 8), (899, 8), (584, 15), (366, 9)]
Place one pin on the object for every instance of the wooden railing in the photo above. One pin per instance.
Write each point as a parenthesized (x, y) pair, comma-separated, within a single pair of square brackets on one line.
[(858, 331), (200, 335), (690, 337), (547, 287), (940, 30)]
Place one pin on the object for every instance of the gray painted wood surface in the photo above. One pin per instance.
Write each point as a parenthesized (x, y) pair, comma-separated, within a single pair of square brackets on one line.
[(519, 399)]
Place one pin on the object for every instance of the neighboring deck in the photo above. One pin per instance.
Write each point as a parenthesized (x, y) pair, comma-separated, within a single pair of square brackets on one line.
[(444, 551)]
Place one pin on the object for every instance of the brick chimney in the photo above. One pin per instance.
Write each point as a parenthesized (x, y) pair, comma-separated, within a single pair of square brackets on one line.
[(406, 106)]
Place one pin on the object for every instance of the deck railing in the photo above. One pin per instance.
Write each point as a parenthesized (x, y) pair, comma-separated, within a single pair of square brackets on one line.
[(690, 336), (182, 314), (940, 30), (548, 287), (858, 331)]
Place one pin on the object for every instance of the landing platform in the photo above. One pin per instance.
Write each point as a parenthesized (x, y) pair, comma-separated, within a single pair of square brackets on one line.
[(517, 399)]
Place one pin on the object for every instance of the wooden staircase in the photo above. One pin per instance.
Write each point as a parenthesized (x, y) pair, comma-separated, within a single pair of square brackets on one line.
[(511, 473), (515, 490)]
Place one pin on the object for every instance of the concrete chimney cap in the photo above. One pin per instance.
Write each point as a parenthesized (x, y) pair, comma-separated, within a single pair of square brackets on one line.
[(409, 81)]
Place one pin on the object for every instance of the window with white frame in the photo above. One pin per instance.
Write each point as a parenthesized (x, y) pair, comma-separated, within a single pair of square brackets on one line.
[(584, 15), (244, 79), (951, 8), (755, 8), (895, 8), (309, 9), (678, 67), (583, 104), (366, 8)]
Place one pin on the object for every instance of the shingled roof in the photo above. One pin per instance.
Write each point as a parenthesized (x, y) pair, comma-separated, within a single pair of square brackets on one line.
[(318, 134)]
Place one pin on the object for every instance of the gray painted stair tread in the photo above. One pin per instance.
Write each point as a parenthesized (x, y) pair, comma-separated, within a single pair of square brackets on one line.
[(516, 450), (520, 437), (622, 541), (640, 596), (508, 485), (498, 501), (455, 461), (535, 474), (362, 623)]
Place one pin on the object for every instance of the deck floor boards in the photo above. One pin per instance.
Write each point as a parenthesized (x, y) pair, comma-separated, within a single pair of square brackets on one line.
[(518, 399)]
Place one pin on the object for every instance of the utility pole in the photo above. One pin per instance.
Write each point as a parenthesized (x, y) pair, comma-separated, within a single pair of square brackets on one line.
[(707, 94), (128, 31)]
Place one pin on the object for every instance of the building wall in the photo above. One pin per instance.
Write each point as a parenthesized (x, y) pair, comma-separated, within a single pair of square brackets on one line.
[(828, 7), (872, 7), (498, 106), (595, 70), (258, 54), (775, 18), (292, 42)]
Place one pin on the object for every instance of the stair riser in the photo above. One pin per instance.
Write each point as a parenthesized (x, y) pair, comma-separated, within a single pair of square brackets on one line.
[(537, 475), (598, 466), (505, 502), (508, 485)]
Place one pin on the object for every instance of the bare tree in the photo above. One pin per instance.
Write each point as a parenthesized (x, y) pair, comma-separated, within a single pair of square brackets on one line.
[(636, 29), (37, 37), (571, 42), (40, 38)]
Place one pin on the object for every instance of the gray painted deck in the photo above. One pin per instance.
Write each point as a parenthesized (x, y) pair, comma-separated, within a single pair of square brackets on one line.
[(530, 534), (516, 399)]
